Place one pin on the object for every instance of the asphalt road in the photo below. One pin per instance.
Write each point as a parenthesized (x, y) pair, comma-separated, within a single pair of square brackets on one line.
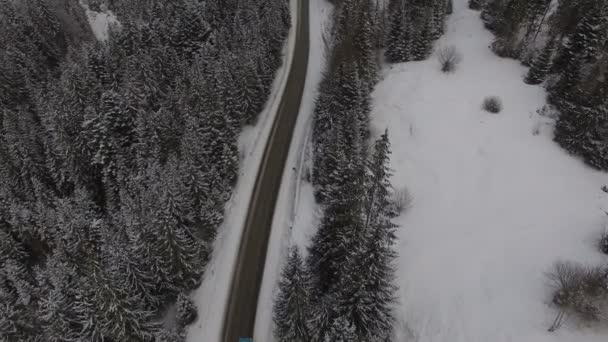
[(247, 280)]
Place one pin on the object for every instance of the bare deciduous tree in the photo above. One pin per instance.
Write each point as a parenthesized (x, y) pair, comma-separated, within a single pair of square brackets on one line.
[(449, 57), (579, 291), (402, 200)]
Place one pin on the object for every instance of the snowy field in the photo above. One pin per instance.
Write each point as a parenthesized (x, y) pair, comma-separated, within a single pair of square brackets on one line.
[(494, 206), (100, 21)]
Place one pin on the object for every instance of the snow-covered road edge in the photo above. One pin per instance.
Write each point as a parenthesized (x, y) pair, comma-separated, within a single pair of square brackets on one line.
[(212, 296), (295, 210)]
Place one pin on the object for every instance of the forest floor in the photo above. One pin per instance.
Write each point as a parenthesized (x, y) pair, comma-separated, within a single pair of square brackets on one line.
[(495, 201)]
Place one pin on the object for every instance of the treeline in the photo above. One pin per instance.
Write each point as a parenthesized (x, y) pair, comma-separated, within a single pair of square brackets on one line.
[(343, 288), (565, 43), (117, 157), (413, 27)]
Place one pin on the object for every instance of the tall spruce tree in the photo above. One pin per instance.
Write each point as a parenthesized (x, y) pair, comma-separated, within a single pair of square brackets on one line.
[(292, 306), (541, 65), (399, 40)]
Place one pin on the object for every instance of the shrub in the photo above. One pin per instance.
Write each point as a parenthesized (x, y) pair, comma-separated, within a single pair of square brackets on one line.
[(603, 243), (186, 310), (449, 58), (402, 200), (476, 4), (579, 291), (492, 104)]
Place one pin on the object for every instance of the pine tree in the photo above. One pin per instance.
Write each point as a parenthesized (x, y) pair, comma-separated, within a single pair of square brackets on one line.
[(449, 7), (186, 310), (342, 221), (541, 65), (59, 319), (423, 44), (587, 37), (341, 330), (567, 89), (17, 292), (321, 318), (476, 4), (399, 39), (291, 307), (438, 18), (178, 252), (113, 312), (363, 44), (365, 299), (583, 131)]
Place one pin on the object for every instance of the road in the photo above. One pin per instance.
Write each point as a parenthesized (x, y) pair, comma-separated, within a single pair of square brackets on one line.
[(247, 279)]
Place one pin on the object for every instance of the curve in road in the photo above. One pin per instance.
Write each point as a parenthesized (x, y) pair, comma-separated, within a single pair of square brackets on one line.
[(242, 303)]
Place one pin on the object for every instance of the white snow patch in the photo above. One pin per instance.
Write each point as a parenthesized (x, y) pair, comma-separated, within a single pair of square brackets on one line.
[(296, 214), (100, 21), (212, 296), (494, 205)]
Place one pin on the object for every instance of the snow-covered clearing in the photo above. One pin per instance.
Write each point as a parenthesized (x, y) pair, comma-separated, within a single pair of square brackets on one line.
[(494, 205), (295, 218), (211, 297), (100, 21)]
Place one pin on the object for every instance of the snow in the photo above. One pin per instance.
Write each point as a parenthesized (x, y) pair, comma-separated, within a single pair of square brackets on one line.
[(296, 214), (494, 205), (212, 296), (100, 21)]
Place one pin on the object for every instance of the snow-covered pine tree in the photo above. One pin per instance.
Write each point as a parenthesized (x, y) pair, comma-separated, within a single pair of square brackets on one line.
[(293, 303), (399, 40), (113, 313), (587, 36), (189, 32), (343, 201), (583, 131), (378, 209), (341, 330), (476, 4), (438, 18), (178, 252), (541, 65), (567, 88), (59, 320), (321, 317), (423, 42), (220, 148), (17, 292), (186, 310), (364, 45), (365, 299)]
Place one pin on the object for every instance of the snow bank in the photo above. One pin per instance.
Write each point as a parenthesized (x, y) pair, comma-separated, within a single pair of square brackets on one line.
[(295, 218), (494, 205), (212, 296), (100, 22)]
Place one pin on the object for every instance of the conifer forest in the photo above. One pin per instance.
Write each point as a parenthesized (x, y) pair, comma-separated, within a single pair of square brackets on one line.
[(451, 154), (117, 156)]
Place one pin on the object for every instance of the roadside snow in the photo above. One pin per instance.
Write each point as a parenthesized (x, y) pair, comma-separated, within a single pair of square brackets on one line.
[(211, 297), (295, 218), (100, 21), (494, 205)]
